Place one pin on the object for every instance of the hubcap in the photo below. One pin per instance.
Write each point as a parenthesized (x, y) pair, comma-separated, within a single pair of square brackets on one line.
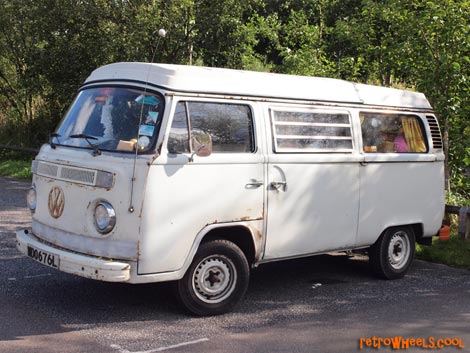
[(399, 250), (214, 279)]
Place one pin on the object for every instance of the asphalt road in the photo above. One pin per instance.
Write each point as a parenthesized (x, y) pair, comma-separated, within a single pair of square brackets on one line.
[(322, 304)]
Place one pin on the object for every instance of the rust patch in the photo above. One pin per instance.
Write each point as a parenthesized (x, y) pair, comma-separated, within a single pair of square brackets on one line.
[(258, 234), (155, 156), (246, 218), (44, 179), (138, 249), (258, 243)]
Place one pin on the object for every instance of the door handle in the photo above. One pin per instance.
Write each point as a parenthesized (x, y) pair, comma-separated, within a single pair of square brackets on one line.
[(279, 184), (254, 183)]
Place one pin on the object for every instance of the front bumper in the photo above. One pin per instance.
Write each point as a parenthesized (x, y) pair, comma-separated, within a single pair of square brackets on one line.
[(77, 264)]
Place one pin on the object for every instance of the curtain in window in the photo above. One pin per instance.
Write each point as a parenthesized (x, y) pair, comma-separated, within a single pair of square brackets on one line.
[(413, 135)]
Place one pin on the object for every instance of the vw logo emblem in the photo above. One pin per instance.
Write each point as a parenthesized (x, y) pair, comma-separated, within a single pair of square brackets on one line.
[(56, 202)]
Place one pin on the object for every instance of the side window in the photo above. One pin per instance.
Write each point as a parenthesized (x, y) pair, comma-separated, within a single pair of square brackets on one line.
[(322, 131), (230, 126), (392, 133), (178, 141)]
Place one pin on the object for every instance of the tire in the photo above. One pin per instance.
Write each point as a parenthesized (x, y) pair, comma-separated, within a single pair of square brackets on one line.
[(392, 254), (216, 280)]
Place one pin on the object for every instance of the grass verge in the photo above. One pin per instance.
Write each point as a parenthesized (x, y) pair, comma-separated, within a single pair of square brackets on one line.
[(16, 169), (454, 252)]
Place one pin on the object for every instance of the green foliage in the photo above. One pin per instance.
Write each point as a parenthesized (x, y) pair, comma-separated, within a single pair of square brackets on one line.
[(48, 48), (16, 168), (454, 252), (457, 198), (438, 62)]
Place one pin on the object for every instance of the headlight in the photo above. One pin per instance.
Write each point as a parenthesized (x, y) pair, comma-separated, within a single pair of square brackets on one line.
[(105, 217), (31, 199)]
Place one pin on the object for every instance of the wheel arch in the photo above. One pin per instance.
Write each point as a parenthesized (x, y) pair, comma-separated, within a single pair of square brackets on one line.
[(243, 234), (240, 235), (417, 228)]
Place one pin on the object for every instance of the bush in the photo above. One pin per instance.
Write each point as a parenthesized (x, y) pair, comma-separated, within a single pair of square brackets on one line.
[(16, 168)]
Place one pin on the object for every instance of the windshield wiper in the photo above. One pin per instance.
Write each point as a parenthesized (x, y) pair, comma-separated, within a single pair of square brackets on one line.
[(51, 141), (87, 138)]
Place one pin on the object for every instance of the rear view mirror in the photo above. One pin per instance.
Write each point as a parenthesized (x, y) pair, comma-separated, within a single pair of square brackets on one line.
[(201, 145)]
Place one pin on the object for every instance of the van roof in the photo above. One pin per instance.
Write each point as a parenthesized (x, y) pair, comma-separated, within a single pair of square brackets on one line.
[(198, 79)]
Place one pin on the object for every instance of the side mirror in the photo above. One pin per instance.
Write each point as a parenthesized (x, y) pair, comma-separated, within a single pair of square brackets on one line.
[(201, 145)]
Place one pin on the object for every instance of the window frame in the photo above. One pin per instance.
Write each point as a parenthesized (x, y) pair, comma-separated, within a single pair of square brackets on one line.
[(278, 149), (150, 149), (419, 117), (187, 100)]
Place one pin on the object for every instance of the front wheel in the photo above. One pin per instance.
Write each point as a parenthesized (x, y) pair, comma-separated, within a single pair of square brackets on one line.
[(392, 254), (216, 280)]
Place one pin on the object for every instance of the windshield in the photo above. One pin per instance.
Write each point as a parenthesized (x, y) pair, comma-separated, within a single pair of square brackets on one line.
[(107, 118)]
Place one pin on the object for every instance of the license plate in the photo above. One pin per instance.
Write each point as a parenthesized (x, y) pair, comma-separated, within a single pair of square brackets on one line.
[(44, 257)]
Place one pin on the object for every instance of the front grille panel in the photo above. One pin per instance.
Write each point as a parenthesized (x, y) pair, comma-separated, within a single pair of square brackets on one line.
[(47, 169), (79, 175), (66, 173)]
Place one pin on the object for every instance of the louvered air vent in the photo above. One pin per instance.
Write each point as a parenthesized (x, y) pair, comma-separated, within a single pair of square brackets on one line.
[(47, 169), (79, 175), (66, 173), (435, 132)]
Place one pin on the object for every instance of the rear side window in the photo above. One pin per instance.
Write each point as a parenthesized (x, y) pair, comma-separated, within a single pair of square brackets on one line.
[(392, 133), (311, 131), (230, 127)]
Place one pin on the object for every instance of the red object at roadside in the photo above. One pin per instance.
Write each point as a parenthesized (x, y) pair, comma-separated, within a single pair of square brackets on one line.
[(444, 233)]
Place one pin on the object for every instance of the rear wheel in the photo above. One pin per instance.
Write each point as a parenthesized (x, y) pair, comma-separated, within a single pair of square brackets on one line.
[(216, 280), (391, 256)]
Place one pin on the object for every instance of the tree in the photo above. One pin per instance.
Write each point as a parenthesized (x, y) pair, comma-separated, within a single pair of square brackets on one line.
[(49, 47), (436, 60), (19, 47), (221, 33)]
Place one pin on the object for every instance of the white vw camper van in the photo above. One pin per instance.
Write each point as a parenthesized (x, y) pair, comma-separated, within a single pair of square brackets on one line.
[(195, 175)]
